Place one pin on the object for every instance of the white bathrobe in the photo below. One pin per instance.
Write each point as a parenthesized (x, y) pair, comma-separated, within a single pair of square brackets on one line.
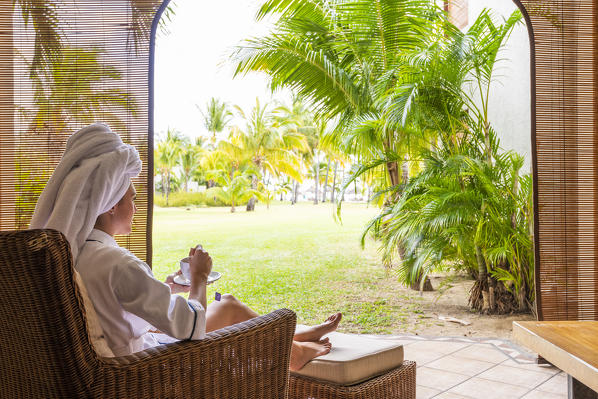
[(129, 300), (92, 176)]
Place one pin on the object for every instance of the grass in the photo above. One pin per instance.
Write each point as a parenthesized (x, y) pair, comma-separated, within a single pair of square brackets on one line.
[(296, 257)]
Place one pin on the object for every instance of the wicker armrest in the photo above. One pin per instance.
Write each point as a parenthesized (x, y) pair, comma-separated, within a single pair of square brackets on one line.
[(246, 360)]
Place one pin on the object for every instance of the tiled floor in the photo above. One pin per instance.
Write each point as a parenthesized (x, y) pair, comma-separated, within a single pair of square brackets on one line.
[(465, 368)]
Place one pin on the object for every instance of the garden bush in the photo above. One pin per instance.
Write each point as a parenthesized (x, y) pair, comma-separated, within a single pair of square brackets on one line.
[(182, 198)]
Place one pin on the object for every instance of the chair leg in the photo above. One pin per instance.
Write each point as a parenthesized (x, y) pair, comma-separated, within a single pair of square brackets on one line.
[(578, 390)]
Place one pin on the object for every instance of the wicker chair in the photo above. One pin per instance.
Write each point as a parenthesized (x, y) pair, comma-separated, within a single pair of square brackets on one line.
[(45, 349)]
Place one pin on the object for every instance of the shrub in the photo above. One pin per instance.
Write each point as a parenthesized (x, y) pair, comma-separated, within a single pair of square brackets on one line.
[(182, 198)]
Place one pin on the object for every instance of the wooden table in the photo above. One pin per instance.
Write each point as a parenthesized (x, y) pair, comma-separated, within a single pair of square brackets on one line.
[(571, 346)]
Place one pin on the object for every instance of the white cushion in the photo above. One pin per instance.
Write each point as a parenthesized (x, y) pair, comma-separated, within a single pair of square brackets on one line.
[(98, 341), (354, 359)]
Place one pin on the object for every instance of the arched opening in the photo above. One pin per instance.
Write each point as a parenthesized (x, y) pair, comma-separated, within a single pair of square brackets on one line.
[(510, 106)]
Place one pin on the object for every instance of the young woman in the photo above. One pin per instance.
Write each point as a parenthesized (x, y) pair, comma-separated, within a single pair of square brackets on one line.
[(90, 199)]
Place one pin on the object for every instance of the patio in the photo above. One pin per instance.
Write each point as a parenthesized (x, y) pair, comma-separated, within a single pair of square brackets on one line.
[(463, 368)]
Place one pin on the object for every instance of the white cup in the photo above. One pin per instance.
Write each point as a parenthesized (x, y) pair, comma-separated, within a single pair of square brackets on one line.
[(184, 264)]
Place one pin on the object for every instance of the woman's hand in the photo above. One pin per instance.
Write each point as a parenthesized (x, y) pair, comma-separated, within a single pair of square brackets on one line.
[(174, 287), (200, 264)]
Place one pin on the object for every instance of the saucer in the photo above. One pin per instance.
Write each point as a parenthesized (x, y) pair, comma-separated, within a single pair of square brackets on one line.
[(180, 279)]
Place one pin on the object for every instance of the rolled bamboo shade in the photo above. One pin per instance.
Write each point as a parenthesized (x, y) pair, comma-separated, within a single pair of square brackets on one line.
[(65, 64), (564, 104)]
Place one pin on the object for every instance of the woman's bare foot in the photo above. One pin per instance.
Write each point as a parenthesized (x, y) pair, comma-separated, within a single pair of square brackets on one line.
[(315, 333), (303, 352)]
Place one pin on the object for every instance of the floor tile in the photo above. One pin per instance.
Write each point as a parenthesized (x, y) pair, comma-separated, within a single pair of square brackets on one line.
[(556, 385), (438, 379), (443, 348), (532, 366), (483, 352), (515, 376), (481, 388), (544, 395), (422, 392), (421, 357), (469, 367), (450, 395)]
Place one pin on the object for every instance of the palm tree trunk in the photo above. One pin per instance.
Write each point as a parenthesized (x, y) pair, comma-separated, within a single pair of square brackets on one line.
[(295, 189), (418, 286), (342, 180), (332, 194), (482, 278), (391, 167), (251, 204), (317, 179), (163, 184), (487, 143), (167, 186), (326, 181), (393, 173)]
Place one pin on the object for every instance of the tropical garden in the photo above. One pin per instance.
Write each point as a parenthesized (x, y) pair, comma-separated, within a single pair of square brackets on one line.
[(390, 100)]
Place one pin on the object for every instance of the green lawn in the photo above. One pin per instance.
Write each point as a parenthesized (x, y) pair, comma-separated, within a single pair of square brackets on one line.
[(296, 256)]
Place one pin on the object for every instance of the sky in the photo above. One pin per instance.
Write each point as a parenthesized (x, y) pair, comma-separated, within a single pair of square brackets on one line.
[(191, 63)]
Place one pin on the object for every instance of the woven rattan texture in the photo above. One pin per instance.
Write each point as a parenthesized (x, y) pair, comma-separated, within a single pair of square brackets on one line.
[(565, 137), (46, 352), (398, 383), (65, 64)]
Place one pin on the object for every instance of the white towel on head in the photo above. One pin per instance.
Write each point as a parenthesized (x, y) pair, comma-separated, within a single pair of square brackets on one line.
[(92, 176)]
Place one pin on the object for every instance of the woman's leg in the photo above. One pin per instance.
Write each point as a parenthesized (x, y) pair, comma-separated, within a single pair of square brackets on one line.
[(228, 311), (307, 344), (315, 333), (303, 352)]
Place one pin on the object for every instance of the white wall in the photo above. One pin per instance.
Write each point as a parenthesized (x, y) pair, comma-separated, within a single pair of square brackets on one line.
[(510, 106)]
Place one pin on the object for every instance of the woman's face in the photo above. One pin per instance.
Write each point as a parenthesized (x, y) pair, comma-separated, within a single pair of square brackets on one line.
[(124, 211)]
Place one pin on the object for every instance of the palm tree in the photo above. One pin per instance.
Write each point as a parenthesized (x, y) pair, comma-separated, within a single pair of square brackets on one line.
[(166, 155), (298, 119), (69, 91), (216, 117), (233, 190), (269, 147), (42, 14), (73, 79), (455, 209), (189, 161), (343, 57)]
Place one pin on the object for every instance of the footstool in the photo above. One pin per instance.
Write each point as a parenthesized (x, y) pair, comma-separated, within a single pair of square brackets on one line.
[(356, 367)]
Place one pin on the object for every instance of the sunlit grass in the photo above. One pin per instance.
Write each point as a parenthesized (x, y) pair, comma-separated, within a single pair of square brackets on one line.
[(296, 257)]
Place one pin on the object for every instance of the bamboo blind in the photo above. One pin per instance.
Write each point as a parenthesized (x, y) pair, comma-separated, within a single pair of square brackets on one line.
[(564, 104), (65, 64)]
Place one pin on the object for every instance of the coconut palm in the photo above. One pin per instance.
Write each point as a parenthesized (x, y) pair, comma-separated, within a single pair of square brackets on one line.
[(342, 57), (42, 14), (299, 119), (167, 154), (216, 118), (233, 190), (72, 92), (268, 146), (189, 162)]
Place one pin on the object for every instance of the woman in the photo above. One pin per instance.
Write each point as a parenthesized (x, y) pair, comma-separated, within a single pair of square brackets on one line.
[(90, 199)]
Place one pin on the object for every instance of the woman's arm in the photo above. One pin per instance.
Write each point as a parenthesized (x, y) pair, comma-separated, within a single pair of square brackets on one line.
[(140, 293), (200, 266)]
